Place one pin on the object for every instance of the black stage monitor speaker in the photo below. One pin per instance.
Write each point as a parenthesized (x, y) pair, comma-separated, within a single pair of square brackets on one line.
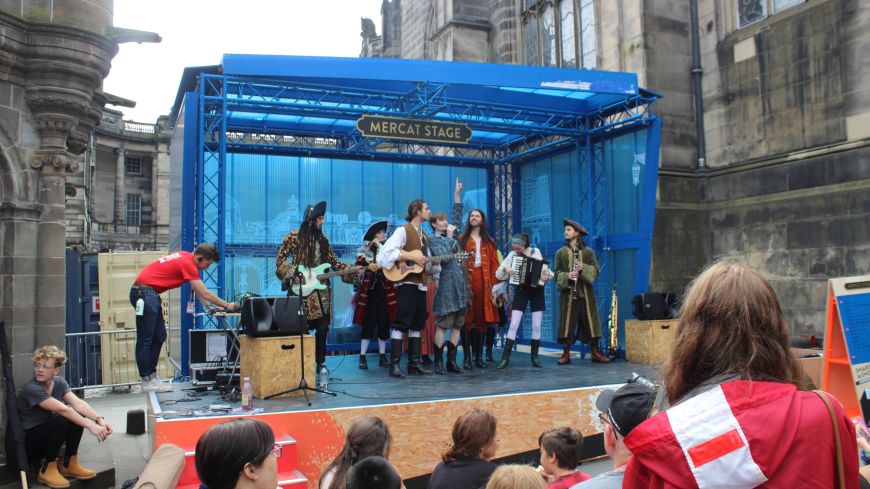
[(272, 316), (654, 305)]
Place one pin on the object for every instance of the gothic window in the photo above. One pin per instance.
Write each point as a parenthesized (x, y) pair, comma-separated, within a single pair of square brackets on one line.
[(133, 165), (784, 4), (751, 11), (566, 20), (530, 40), (559, 33), (134, 210), (588, 39), (548, 36)]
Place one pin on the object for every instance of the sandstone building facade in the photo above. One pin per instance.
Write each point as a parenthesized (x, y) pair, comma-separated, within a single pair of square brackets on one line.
[(780, 175)]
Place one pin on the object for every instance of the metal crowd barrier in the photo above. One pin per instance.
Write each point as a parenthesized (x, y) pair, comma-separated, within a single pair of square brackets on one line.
[(107, 359)]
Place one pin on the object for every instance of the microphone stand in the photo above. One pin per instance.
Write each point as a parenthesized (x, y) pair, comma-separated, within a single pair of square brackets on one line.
[(299, 278)]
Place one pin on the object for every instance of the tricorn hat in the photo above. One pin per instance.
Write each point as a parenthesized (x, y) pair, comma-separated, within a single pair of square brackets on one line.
[(374, 229), (576, 225), (314, 211)]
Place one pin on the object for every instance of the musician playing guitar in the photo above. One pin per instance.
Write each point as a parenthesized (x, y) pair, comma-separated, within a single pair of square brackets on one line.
[(309, 247), (411, 313), (525, 294), (576, 269)]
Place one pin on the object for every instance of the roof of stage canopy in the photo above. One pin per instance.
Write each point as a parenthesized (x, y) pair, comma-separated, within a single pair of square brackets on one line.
[(502, 104)]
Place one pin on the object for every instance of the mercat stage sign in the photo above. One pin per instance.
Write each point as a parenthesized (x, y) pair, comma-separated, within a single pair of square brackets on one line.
[(413, 129)]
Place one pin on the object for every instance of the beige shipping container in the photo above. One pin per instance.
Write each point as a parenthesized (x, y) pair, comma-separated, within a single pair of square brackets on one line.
[(118, 271)]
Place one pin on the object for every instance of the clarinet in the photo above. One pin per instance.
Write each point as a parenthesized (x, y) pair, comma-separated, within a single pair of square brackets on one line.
[(572, 290)]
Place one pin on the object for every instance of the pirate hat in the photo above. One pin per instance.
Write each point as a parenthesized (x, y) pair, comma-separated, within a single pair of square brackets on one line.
[(314, 211), (374, 229), (576, 225)]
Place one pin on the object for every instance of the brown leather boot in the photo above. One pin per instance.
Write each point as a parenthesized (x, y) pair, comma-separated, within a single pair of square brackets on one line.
[(597, 356), (49, 476), (566, 356), (74, 469)]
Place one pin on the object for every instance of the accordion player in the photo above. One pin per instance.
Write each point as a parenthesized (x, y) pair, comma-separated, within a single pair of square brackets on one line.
[(527, 271)]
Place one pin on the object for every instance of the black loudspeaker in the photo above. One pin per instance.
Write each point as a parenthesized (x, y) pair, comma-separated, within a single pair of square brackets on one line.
[(272, 316), (654, 305)]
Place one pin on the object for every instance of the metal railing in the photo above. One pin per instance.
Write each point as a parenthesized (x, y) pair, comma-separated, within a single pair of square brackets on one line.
[(108, 359)]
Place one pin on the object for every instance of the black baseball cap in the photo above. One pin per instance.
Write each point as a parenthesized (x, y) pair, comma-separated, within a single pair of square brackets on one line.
[(627, 407)]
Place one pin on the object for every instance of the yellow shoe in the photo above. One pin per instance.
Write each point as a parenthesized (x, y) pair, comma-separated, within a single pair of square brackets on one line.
[(52, 478), (75, 470)]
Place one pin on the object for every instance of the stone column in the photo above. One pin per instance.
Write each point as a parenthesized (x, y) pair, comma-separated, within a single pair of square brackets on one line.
[(120, 196)]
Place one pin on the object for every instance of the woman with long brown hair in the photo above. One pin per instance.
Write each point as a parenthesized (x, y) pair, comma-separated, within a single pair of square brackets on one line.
[(740, 414), (365, 437), (467, 465)]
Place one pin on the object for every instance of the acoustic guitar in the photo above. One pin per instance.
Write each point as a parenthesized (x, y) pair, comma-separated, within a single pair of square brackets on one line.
[(402, 268)]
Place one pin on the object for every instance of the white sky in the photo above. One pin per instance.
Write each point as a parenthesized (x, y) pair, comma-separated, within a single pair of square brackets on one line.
[(199, 32)]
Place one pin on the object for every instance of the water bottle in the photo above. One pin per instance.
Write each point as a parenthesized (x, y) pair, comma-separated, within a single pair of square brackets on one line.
[(247, 395), (323, 381), (140, 307)]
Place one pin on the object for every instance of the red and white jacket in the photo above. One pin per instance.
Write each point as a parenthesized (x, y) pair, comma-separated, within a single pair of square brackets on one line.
[(743, 434)]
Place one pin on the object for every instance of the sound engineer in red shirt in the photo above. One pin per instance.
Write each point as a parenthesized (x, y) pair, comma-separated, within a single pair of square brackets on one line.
[(165, 273)]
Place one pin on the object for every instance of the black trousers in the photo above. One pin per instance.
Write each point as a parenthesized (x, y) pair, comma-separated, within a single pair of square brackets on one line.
[(43, 441), (377, 319), (411, 310)]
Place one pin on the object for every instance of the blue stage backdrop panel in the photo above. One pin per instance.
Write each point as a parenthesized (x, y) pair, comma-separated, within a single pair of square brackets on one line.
[(267, 195), (558, 186)]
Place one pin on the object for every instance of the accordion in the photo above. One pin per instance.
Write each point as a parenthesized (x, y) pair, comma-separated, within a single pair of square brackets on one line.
[(527, 271)]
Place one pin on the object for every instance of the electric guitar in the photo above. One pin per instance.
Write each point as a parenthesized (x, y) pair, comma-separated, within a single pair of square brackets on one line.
[(313, 277), (402, 268)]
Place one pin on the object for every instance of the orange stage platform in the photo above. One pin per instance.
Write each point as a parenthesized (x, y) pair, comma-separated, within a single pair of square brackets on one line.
[(418, 410)]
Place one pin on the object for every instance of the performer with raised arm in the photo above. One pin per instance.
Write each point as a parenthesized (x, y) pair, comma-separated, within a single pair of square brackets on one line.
[(375, 299), (482, 314), (453, 295), (521, 246), (407, 251), (576, 269), (307, 248)]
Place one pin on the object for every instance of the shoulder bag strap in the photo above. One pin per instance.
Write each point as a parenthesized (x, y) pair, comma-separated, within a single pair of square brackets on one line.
[(841, 476)]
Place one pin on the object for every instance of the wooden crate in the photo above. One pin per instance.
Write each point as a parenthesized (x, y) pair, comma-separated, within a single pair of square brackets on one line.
[(273, 363), (649, 341)]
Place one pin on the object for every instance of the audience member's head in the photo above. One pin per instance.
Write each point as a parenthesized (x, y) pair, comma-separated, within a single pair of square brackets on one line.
[(373, 473), (560, 448), (622, 410), (237, 454), (731, 323), (516, 477), (474, 437), (366, 436)]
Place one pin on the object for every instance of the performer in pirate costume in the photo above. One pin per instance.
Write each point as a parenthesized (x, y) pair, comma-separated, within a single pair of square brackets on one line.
[(308, 246), (483, 314), (411, 312), (576, 269), (521, 244), (375, 298), (453, 295)]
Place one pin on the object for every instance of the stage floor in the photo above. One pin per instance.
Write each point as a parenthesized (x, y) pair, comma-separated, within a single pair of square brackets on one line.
[(372, 387)]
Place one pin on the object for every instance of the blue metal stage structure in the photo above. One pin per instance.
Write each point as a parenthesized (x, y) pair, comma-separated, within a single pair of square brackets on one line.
[(263, 136)]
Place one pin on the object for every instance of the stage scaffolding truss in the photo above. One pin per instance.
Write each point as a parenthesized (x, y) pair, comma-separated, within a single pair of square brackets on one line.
[(304, 106)]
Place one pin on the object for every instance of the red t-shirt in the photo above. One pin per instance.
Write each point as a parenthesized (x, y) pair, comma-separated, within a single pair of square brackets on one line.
[(169, 272), (566, 481)]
